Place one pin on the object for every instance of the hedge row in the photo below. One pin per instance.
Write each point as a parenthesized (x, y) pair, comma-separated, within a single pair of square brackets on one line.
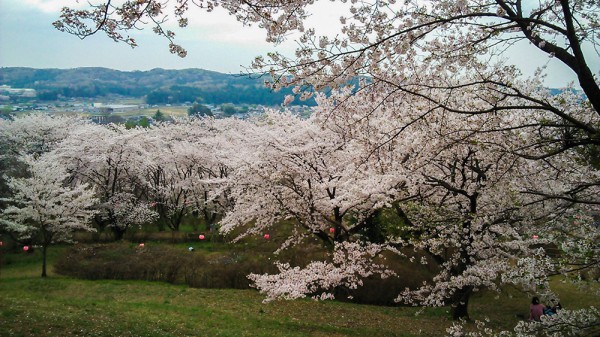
[(202, 269)]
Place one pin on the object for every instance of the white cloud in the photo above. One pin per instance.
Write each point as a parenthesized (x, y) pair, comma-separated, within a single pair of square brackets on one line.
[(219, 26), (49, 6)]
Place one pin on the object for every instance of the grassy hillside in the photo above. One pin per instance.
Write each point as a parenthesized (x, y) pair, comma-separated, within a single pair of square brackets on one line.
[(62, 306)]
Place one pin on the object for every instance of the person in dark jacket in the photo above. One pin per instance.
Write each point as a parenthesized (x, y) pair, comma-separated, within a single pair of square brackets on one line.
[(555, 307)]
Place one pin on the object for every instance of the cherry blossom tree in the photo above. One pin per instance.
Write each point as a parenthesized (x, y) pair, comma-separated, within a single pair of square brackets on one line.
[(464, 198), (480, 158), (108, 158), (376, 35), (202, 143), (469, 196), (33, 134), (566, 323), (167, 181), (434, 51), (36, 133), (46, 206), (180, 162), (285, 167)]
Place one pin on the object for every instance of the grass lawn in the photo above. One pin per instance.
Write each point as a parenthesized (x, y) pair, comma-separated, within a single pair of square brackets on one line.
[(62, 306)]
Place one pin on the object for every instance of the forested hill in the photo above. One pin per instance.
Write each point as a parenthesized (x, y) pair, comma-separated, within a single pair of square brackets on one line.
[(156, 85)]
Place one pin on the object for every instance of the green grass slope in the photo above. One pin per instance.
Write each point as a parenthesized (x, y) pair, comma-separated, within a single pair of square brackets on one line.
[(62, 306)]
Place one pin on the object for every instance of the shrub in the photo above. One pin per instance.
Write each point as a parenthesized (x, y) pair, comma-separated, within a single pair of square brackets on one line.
[(122, 262), (378, 291), (225, 269)]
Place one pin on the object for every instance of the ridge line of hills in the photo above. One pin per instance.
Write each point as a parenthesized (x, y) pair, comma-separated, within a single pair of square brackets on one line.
[(157, 86)]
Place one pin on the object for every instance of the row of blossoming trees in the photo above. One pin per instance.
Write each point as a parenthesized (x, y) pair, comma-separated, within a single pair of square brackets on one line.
[(462, 192), (475, 160)]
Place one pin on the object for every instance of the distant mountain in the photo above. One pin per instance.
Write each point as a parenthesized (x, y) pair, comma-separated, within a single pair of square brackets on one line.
[(156, 85)]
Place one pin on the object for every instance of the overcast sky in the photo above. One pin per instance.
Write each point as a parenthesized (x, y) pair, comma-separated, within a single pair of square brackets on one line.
[(216, 42), (27, 38)]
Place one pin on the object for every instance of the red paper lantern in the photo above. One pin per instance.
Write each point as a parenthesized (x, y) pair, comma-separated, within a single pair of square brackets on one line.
[(267, 236), (331, 230), (535, 237), (25, 248), (201, 237), (142, 244)]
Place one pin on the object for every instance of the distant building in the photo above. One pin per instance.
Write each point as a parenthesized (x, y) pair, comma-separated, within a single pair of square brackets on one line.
[(7, 90), (99, 119), (113, 108)]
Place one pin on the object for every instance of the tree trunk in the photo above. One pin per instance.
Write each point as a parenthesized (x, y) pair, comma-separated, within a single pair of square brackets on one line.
[(44, 249), (160, 226), (460, 303), (118, 232)]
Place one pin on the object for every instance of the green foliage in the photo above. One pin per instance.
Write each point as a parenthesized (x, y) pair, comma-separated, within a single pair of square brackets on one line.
[(47, 95), (382, 224), (229, 109), (130, 124), (590, 154), (226, 271), (6, 111), (159, 116), (199, 110), (143, 121), (391, 222), (155, 262)]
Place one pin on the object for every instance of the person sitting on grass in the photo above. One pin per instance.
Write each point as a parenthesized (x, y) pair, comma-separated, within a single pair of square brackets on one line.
[(536, 309), (556, 306), (553, 309)]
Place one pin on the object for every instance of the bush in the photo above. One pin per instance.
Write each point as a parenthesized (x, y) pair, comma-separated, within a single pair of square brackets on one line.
[(378, 291), (225, 269), (122, 262)]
